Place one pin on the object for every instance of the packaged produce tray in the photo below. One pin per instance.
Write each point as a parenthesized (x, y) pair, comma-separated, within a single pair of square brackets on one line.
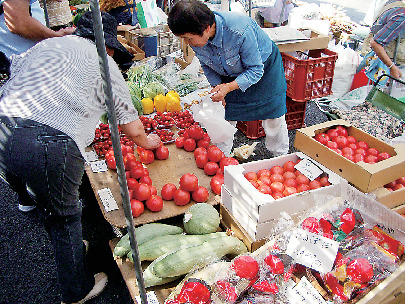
[(311, 75)]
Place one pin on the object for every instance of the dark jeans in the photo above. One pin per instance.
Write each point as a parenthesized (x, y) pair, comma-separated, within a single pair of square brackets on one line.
[(49, 163)]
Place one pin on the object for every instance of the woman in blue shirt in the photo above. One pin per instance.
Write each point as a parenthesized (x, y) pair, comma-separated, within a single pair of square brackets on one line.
[(241, 62)]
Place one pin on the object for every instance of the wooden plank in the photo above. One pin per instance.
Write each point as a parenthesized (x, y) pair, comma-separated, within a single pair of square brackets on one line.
[(161, 172)]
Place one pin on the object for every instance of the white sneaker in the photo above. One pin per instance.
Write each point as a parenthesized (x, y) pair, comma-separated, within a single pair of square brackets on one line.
[(24, 208), (100, 283)]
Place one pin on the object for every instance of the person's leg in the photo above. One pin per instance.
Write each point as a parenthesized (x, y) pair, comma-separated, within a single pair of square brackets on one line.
[(56, 168), (277, 140)]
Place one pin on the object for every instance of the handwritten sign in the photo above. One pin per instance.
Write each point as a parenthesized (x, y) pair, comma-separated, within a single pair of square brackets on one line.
[(90, 156), (107, 199), (304, 293), (150, 296), (99, 166), (312, 250), (308, 168)]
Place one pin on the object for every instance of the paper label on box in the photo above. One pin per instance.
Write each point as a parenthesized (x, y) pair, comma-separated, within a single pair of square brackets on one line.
[(150, 296), (304, 293), (312, 250), (107, 199), (99, 166), (90, 156), (308, 168)]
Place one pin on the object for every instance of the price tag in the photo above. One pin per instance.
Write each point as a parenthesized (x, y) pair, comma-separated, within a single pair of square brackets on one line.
[(90, 156), (99, 166), (308, 168), (150, 296), (312, 250), (304, 293), (107, 199)]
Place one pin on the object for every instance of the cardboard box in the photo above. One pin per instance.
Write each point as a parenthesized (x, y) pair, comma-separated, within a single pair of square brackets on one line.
[(317, 41), (263, 207), (400, 209), (366, 177), (391, 199)]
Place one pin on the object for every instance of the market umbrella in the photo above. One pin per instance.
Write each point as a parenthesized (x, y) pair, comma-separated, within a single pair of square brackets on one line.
[(105, 75)]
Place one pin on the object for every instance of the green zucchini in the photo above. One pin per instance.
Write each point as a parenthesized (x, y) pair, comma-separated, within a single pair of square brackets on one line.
[(143, 234), (160, 245), (183, 260), (151, 280)]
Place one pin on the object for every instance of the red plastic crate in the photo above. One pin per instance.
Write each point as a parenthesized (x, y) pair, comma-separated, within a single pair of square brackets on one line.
[(294, 118), (309, 78)]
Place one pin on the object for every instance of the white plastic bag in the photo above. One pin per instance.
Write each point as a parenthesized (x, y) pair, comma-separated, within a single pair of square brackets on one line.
[(345, 69), (211, 115)]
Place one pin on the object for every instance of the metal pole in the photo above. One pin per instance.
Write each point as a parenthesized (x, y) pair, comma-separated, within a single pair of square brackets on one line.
[(46, 13), (105, 74)]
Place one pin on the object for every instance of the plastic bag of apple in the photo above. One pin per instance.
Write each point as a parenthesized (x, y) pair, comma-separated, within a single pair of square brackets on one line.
[(338, 140)]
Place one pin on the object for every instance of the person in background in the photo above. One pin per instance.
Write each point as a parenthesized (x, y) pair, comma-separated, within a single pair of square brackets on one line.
[(22, 25), (241, 62), (273, 13), (390, 22), (49, 110)]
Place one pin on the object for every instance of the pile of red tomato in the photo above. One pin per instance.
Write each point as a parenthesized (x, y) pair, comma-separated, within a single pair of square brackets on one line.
[(396, 184), (102, 142), (183, 119), (188, 188), (338, 140), (282, 181)]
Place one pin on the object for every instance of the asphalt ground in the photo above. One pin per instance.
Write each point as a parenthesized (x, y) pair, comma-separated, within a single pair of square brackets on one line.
[(27, 266)]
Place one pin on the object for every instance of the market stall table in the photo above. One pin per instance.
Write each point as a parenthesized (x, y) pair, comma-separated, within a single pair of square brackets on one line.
[(161, 172)]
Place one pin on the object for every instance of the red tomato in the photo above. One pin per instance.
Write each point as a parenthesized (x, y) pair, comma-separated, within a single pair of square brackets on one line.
[(401, 180), (250, 175), (303, 187), (168, 191), (111, 163), (370, 159), (147, 157), (146, 180), (189, 144), (332, 145), (314, 184), (302, 179), (383, 156), (199, 150), (153, 190), (262, 172), (276, 178), (133, 163), (204, 143), (390, 184), (277, 195), (398, 186), (351, 139), (137, 172), (154, 203), (352, 146), (288, 174), (227, 161), (291, 182), (289, 191), (137, 207), (277, 187), (179, 142), (127, 174), (338, 151), (196, 132), (373, 151), (348, 156), (132, 183), (342, 131), (347, 150), (142, 192), (214, 154), (362, 145), (341, 141), (200, 195), (332, 133), (216, 183), (181, 197), (255, 183), (201, 160), (277, 170), (162, 152), (265, 189), (211, 168), (188, 182), (265, 180), (130, 193), (358, 157), (361, 151), (289, 166), (323, 138), (324, 181)]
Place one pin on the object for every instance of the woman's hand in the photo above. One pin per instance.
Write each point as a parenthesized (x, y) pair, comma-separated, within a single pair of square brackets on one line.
[(395, 72), (222, 89)]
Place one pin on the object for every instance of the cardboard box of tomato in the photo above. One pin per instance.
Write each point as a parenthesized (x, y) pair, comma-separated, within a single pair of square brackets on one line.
[(364, 176), (251, 207)]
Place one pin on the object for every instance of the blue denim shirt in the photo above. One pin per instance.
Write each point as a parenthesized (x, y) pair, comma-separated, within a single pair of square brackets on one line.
[(239, 49)]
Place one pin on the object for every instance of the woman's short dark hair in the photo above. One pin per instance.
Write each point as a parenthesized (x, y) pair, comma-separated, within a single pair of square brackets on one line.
[(190, 17)]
